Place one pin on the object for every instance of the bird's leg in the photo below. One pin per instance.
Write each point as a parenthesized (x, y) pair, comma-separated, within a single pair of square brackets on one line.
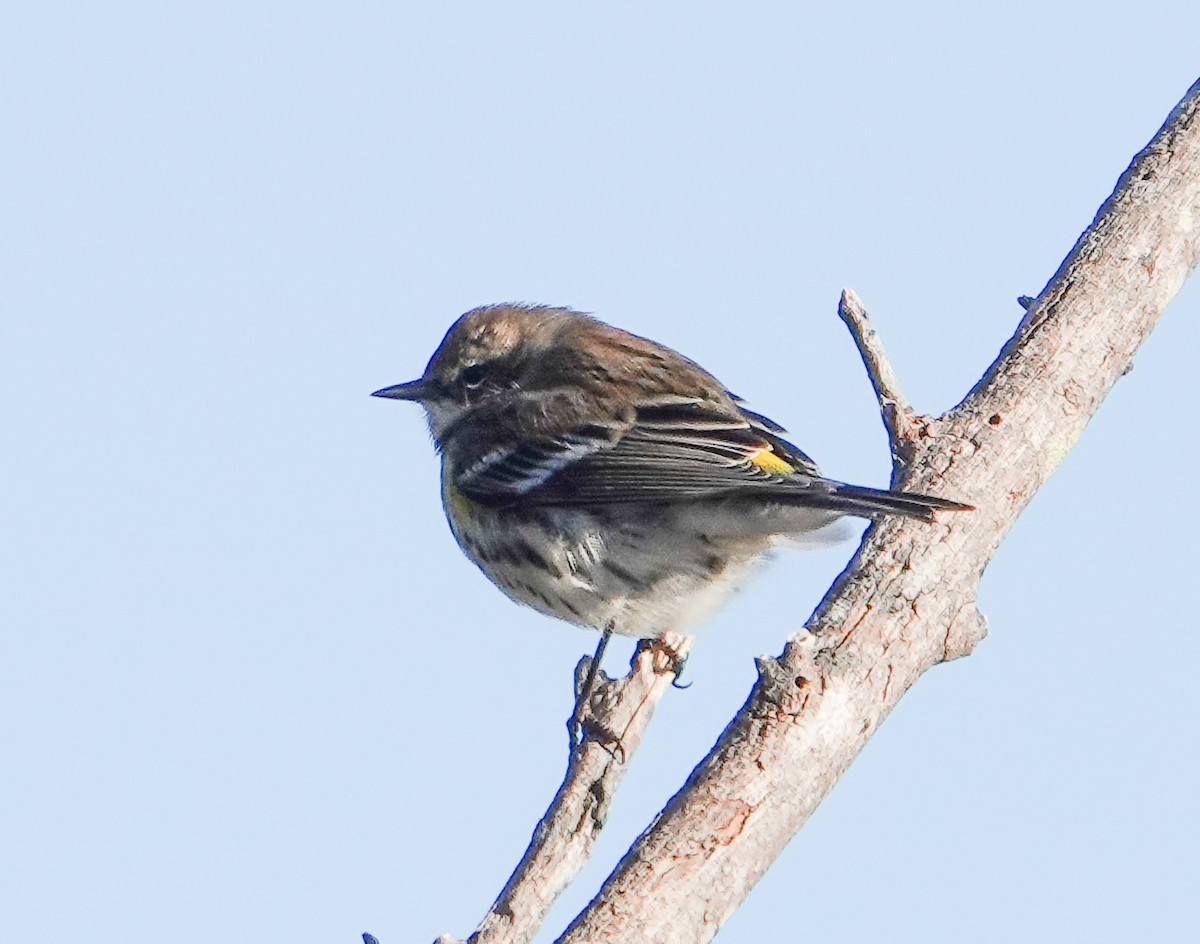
[(584, 693)]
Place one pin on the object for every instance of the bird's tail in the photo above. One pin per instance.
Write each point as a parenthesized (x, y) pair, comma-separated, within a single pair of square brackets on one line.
[(870, 502)]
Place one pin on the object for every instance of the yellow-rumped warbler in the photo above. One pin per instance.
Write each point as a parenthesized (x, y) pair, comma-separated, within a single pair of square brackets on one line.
[(607, 480)]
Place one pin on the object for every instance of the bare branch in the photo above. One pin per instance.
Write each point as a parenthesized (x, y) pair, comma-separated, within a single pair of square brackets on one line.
[(616, 718), (898, 416), (907, 601)]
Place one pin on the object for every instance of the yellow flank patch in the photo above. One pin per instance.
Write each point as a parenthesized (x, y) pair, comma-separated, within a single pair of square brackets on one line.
[(766, 460), (458, 506)]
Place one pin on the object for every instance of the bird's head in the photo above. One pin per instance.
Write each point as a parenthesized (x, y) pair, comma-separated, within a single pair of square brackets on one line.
[(487, 353)]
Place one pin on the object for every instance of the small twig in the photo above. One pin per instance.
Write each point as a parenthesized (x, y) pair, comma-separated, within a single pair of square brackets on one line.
[(879, 368), (616, 714), (898, 416)]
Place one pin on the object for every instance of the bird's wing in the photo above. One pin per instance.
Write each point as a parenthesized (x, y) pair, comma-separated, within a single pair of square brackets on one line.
[(671, 448)]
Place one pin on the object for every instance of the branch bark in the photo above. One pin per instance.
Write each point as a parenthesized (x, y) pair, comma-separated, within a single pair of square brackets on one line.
[(905, 602)]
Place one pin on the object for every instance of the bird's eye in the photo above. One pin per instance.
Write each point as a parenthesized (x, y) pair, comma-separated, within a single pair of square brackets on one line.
[(474, 375)]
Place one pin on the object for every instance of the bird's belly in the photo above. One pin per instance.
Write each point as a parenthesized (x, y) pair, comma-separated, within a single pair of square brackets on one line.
[(639, 571)]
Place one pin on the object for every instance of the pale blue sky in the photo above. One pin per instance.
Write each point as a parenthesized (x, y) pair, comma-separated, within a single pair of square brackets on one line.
[(249, 689)]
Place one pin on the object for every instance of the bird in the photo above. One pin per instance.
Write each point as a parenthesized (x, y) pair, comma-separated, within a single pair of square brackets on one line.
[(609, 481)]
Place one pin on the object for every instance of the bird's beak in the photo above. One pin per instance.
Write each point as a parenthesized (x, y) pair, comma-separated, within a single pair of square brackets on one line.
[(420, 389)]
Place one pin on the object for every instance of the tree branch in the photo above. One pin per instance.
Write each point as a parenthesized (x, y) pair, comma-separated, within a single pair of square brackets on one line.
[(907, 600), (898, 417), (616, 717)]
